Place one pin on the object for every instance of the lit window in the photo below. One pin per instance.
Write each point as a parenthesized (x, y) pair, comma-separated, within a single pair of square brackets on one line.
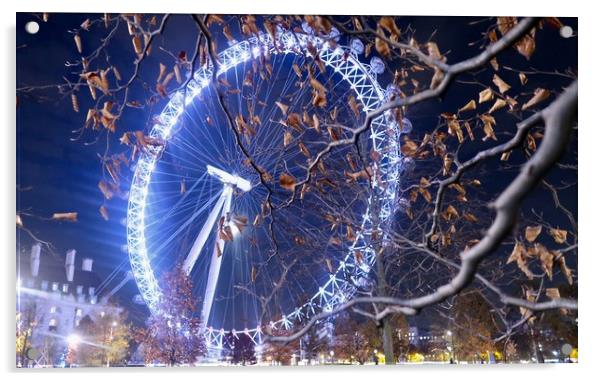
[(91, 291), (44, 285), (102, 314), (80, 290), (65, 288), (78, 312), (52, 323), (53, 309), (55, 286)]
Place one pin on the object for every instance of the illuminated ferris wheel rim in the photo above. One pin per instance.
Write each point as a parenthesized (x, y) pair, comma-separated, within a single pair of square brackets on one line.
[(384, 136)]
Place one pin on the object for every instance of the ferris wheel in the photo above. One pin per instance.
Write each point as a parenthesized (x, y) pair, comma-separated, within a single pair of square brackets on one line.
[(200, 203)]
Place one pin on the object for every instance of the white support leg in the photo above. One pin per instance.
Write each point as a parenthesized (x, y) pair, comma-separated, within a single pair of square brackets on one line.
[(216, 263), (201, 239)]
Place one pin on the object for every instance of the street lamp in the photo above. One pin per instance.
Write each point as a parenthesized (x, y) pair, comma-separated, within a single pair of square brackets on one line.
[(73, 340)]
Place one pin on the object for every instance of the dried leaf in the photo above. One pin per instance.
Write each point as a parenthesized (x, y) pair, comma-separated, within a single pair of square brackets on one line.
[(559, 235), (70, 216), (74, 102), (538, 96), (472, 105), (499, 103), (532, 232), (104, 212), (501, 85), (78, 43), (523, 78), (485, 95), (282, 107), (287, 182), (388, 23)]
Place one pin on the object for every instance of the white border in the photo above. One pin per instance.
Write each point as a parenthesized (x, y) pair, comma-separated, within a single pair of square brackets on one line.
[(590, 208)]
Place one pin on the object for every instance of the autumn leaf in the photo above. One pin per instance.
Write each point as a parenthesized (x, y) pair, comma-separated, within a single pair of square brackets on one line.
[(104, 212), (532, 232), (137, 45), (523, 78), (70, 216), (78, 43), (288, 137), (382, 47), (485, 95), (519, 255), (568, 273), (488, 123), (546, 259), (559, 235), (472, 105), (447, 163), (253, 274), (74, 102), (469, 217), (499, 103), (105, 189), (287, 182), (388, 23), (501, 85), (538, 96), (553, 293)]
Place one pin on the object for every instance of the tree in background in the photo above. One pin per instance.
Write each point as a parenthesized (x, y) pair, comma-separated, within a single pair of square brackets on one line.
[(101, 340), (173, 335), (473, 327), (241, 349), (26, 320)]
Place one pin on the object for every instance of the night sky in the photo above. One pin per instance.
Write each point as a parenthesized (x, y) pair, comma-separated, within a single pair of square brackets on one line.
[(55, 174)]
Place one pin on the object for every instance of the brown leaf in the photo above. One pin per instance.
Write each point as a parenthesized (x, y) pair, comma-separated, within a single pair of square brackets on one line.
[(546, 259), (70, 216), (137, 45), (568, 273), (532, 232), (559, 235), (523, 78), (472, 105), (538, 96), (287, 182), (485, 95), (382, 47), (499, 103), (78, 43), (74, 102), (253, 274), (104, 212), (388, 23), (488, 123), (519, 256), (288, 137), (501, 85), (553, 293)]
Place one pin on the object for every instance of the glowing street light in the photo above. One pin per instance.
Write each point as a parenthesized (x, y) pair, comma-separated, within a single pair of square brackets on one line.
[(73, 340)]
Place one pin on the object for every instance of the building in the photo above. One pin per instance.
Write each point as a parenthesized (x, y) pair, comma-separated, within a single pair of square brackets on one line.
[(53, 296)]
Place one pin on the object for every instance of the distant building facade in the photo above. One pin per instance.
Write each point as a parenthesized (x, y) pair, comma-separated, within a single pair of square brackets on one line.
[(56, 296)]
